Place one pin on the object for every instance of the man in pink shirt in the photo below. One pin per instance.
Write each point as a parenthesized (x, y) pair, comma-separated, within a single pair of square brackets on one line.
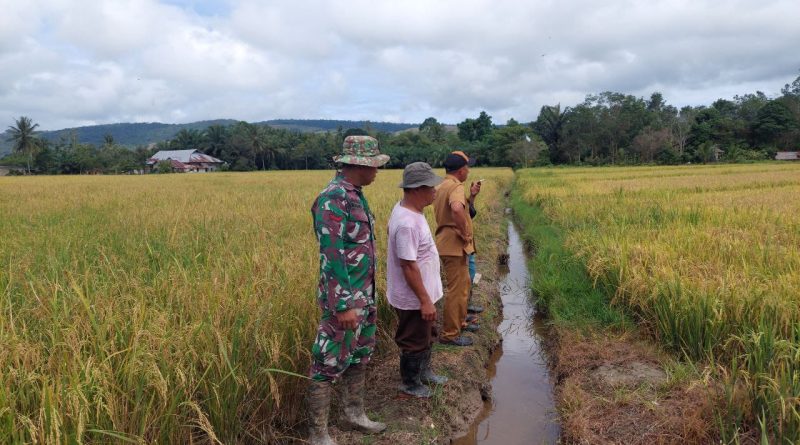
[(413, 279)]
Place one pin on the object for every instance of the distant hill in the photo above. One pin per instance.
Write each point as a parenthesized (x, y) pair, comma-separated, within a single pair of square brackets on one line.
[(127, 134), (447, 127), (320, 125), (135, 134)]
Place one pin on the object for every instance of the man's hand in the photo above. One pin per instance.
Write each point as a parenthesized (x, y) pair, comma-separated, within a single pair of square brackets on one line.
[(428, 311), (474, 189), (347, 319)]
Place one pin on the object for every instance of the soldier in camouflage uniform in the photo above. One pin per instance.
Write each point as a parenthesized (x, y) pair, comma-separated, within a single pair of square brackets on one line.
[(346, 293)]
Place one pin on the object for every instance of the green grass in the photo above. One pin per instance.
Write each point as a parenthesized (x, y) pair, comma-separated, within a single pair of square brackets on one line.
[(562, 287)]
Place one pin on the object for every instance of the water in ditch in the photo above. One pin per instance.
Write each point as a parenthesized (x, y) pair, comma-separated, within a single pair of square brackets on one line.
[(521, 410)]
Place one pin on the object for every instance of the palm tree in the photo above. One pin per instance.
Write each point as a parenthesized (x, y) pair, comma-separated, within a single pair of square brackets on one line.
[(550, 127), (274, 141), (24, 137), (259, 142), (215, 140), (262, 142), (186, 139)]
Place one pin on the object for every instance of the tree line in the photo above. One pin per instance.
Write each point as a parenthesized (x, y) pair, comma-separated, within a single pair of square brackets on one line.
[(606, 128), (613, 128)]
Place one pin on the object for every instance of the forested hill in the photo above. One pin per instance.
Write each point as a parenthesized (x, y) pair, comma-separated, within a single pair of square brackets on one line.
[(315, 125), (136, 134)]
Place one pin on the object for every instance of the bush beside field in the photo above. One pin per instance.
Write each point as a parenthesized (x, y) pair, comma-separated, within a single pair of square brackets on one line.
[(706, 258), (165, 309)]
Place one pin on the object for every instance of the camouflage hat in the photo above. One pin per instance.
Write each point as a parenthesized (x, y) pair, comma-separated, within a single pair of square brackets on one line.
[(361, 150)]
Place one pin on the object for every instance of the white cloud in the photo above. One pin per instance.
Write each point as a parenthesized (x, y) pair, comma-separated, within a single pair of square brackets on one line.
[(67, 62), (209, 59), (16, 24), (117, 29), (298, 30)]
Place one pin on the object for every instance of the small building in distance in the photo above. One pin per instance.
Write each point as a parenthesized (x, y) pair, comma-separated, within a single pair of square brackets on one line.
[(787, 156), (185, 161)]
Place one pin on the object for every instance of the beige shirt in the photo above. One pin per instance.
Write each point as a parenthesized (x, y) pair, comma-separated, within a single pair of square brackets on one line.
[(449, 241)]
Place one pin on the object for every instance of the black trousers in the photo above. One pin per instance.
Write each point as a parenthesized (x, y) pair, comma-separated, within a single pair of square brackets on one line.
[(413, 333)]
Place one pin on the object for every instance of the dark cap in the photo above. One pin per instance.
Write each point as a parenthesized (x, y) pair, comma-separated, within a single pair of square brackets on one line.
[(457, 159), (419, 174)]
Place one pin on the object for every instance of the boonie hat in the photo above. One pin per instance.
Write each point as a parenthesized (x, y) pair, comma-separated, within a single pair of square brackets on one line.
[(419, 174), (458, 159), (361, 150)]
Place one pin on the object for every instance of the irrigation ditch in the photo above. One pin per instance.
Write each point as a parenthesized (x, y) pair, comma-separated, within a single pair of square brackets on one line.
[(574, 383), (521, 409), (612, 383), (501, 389)]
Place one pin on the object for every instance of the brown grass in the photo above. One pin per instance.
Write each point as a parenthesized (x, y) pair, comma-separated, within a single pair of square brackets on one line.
[(640, 409)]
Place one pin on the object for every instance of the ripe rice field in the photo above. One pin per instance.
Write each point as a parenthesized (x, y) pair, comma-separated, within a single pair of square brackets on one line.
[(707, 259), (166, 308)]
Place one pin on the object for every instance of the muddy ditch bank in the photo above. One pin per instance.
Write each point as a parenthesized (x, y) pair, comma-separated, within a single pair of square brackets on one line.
[(456, 405)]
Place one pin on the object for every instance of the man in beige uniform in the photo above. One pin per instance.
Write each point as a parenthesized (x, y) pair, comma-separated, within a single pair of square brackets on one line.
[(454, 242)]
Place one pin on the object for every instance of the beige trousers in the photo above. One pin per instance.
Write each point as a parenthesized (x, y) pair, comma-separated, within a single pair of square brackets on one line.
[(456, 272)]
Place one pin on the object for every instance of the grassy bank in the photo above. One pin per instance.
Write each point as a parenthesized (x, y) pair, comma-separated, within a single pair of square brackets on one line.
[(562, 286), (701, 259)]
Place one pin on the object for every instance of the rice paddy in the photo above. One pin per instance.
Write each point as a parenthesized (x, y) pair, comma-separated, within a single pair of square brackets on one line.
[(180, 308), (165, 308), (706, 258)]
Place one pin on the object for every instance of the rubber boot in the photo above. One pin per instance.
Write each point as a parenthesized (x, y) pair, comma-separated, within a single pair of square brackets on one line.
[(426, 374), (410, 370), (319, 405), (354, 384)]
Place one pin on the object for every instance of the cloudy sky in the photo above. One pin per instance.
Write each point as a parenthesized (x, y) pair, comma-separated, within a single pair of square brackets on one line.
[(68, 63)]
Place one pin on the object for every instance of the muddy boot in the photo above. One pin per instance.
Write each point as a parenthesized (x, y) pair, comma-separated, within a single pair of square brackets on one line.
[(426, 374), (354, 382), (410, 370), (319, 404)]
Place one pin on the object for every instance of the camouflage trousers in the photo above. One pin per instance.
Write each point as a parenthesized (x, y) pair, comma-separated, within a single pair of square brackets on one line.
[(335, 348)]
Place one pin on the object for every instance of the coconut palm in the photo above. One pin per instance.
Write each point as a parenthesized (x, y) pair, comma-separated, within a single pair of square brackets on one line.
[(23, 135), (186, 139), (550, 127), (215, 139), (259, 140)]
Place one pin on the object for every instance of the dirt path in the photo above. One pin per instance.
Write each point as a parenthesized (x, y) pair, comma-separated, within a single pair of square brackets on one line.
[(456, 404)]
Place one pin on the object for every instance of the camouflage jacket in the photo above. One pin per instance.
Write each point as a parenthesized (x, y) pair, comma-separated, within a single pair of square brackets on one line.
[(344, 227)]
